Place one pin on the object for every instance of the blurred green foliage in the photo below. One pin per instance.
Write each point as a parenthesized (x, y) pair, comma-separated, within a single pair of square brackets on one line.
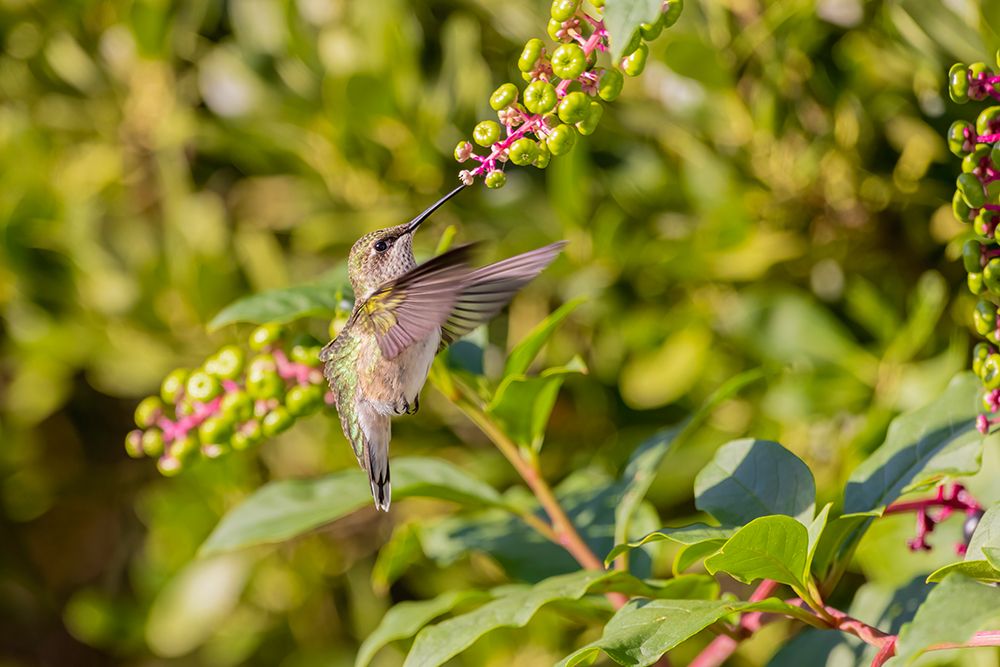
[(772, 192)]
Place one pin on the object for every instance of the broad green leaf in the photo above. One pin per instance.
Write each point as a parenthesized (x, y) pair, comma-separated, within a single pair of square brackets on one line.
[(815, 531), (647, 458), (771, 547), (524, 353), (748, 478), (691, 554), (285, 305), (643, 630), (836, 540), (980, 569), (437, 644), (977, 563), (622, 18), (279, 511), (686, 587), (407, 618), (696, 533), (992, 556), (523, 404), (953, 611), (986, 535), (921, 447)]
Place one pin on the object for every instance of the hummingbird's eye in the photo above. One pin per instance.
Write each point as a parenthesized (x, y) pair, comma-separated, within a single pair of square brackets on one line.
[(381, 246)]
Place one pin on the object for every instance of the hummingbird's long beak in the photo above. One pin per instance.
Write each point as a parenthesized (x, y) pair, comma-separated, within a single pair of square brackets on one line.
[(413, 224)]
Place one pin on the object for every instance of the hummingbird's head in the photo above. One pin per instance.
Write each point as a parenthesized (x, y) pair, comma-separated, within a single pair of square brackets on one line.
[(383, 255)]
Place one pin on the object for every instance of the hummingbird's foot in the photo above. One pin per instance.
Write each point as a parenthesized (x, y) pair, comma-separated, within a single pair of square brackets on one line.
[(416, 405), (402, 407)]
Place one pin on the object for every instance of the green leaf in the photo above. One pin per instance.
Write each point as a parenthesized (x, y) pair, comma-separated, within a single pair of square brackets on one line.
[(953, 611), (281, 510), (400, 551), (696, 533), (407, 618), (284, 305), (771, 547), (836, 540), (524, 353), (992, 556), (921, 447), (523, 404), (690, 554), (978, 563), (749, 478), (622, 18), (815, 531), (437, 644), (643, 630), (980, 569)]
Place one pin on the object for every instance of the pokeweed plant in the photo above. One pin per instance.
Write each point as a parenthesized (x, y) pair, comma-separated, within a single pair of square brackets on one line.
[(586, 544)]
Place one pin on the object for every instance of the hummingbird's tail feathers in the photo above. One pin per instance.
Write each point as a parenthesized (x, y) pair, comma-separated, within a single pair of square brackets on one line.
[(490, 288), (376, 433)]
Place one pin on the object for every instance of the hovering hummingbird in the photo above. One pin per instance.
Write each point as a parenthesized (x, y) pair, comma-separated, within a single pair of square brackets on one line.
[(404, 314)]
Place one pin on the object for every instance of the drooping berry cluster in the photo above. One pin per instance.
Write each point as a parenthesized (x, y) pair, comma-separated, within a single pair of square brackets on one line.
[(229, 402), (977, 202), (558, 101), (931, 511)]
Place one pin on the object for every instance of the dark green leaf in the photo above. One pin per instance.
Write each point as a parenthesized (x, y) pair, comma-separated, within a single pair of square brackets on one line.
[(836, 540), (921, 447), (753, 478), (524, 353), (285, 305), (954, 610), (686, 535), (622, 18), (771, 547), (281, 510)]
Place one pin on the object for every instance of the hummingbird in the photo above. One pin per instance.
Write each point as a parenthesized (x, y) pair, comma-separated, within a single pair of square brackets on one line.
[(404, 314)]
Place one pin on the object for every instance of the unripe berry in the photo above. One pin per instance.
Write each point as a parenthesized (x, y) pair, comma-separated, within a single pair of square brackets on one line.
[(634, 41), (503, 96), (540, 97), (227, 363), (958, 143), (555, 31), (544, 156), (961, 210), (486, 133), (185, 448), (168, 466), (972, 190), (172, 387), (610, 84), (152, 442), (975, 283), (634, 63), (573, 108), (148, 411), (568, 61), (530, 55), (463, 150), (979, 354), (971, 161), (650, 31), (988, 120), (991, 275), (495, 179), (215, 430), (589, 124), (264, 384), (249, 434), (307, 355), (972, 255), (133, 444), (203, 387), (984, 317), (672, 13), (991, 372), (276, 421), (304, 399), (523, 151), (237, 405), (563, 10), (561, 140)]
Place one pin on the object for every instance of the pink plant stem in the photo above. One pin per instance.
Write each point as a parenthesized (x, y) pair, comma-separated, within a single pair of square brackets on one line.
[(723, 646), (987, 138)]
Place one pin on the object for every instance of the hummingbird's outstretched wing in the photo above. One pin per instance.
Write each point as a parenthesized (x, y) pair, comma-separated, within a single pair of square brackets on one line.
[(411, 307), (488, 289)]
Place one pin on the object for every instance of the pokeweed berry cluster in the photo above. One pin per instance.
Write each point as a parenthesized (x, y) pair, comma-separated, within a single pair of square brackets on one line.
[(977, 202), (229, 402), (558, 101)]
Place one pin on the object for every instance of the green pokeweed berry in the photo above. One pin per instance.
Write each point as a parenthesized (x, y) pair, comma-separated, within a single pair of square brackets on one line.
[(573, 108), (553, 28), (995, 156), (961, 210), (237, 405), (971, 161), (265, 384), (599, 4), (568, 61), (523, 151), (561, 139), (610, 85), (984, 317), (990, 374), (634, 40), (495, 179), (594, 113), (152, 442), (215, 430), (463, 150), (503, 96), (958, 142), (227, 363), (991, 275), (172, 387), (563, 10), (634, 63), (958, 83), (486, 133), (979, 354), (993, 192), (168, 466), (972, 255), (650, 31), (307, 355), (984, 225), (304, 399), (277, 421), (133, 444), (544, 156), (988, 121), (203, 387), (185, 448), (248, 435), (148, 411), (975, 283), (972, 190), (530, 55), (540, 97), (673, 12), (265, 336)]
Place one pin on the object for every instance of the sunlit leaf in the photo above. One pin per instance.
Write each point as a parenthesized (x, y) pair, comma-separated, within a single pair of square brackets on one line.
[(771, 547), (696, 533), (980, 557), (622, 18), (520, 358), (284, 305)]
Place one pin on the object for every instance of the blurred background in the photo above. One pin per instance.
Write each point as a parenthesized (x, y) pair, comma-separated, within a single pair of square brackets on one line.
[(774, 191)]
